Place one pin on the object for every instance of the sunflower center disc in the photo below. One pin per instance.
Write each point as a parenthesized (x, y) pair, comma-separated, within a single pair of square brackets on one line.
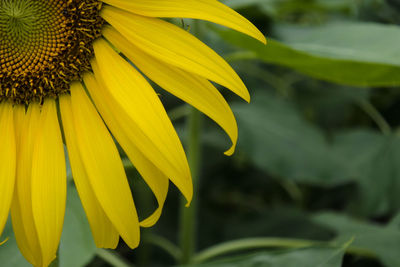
[(44, 46)]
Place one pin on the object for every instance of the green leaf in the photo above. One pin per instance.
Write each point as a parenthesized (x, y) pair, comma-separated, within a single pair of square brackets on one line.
[(374, 165), (346, 53), (293, 5), (384, 242), (241, 4), (278, 140), (77, 247), (346, 41)]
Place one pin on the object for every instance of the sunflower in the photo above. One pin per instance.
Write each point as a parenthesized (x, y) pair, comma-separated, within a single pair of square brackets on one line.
[(69, 73)]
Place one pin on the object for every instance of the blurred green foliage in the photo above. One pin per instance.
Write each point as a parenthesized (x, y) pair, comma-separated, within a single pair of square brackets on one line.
[(315, 180)]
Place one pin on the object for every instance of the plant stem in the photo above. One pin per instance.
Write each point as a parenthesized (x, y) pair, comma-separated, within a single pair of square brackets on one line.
[(164, 244), (376, 116), (188, 215), (178, 112), (112, 258)]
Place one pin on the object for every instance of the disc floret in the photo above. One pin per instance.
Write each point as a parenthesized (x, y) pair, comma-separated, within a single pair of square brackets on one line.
[(44, 46)]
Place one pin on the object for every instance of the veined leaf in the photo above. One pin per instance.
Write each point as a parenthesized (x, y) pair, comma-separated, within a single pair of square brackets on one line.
[(354, 54), (382, 241)]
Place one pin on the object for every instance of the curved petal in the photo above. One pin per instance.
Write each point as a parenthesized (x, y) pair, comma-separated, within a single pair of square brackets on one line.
[(191, 88), (19, 231), (140, 111), (49, 182), (8, 159), (104, 233), (27, 126), (154, 178), (210, 10), (175, 46), (104, 167), (16, 217)]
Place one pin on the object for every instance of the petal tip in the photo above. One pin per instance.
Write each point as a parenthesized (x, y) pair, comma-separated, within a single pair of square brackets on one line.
[(189, 198), (264, 40), (132, 245), (259, 36), (230, 151), (248, 99)]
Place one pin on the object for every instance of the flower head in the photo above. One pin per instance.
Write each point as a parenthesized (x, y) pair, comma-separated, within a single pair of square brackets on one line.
[(71, 57)]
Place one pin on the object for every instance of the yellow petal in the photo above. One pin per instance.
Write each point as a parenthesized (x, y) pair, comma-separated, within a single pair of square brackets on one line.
[(104, 233), (19, 231), (154, 178), (104, 167), (140, 112), (48, 182), (19, 117), (191, 88), (7, 160), (21, 210), (210, 10), (175, 46)]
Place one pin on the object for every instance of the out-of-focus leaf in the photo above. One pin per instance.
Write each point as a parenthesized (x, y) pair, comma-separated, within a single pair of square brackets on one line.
[(336, 5), (395, 222), (275, 222), (77, 247), (382, 241), (247, 3), (346, 53), (277, 139), (374, 163), (346, 41), (331, 105), (307, 257)]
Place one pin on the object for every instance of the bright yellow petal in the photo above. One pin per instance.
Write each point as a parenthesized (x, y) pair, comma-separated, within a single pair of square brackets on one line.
[(8, 159), (104, 233), (25, 232), (191, 88), (19, 231), (104, 167), (155, 179), (138, 109), (210, 10), (48, 182), (175, 46), (19, 117)]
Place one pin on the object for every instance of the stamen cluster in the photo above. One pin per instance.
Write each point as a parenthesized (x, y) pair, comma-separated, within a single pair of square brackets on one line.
[(44, 46)]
